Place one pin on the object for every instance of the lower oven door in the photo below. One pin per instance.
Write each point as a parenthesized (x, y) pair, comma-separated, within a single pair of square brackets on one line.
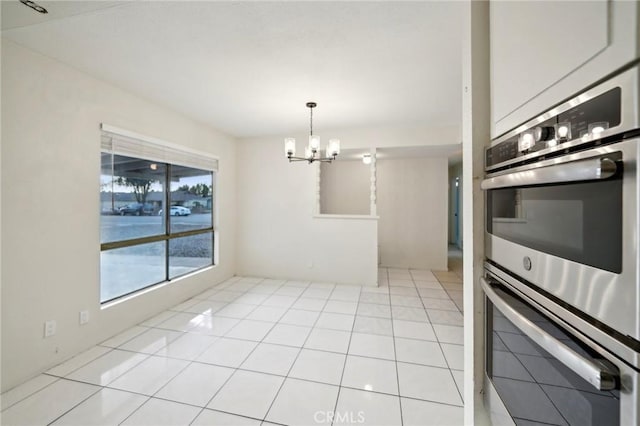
[(545, 372), (568, 225)]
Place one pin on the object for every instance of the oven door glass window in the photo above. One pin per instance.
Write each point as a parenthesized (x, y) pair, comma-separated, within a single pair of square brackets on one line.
[(580, 221), (535, 387)]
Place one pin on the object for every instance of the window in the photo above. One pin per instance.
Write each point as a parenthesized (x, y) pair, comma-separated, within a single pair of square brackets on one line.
[(157, 217)]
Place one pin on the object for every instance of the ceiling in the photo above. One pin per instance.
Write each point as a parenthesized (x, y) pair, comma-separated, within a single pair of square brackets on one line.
[(248, 68)]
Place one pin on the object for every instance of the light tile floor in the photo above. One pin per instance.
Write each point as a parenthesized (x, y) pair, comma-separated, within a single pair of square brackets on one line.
[(256, 351)]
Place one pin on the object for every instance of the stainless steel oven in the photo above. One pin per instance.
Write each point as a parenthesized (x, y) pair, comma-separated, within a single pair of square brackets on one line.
[(562, 280), (546, 371), (562, 203)]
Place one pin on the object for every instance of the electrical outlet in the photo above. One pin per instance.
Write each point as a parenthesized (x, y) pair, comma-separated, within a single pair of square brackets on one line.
[(84, 317), (49, 328)]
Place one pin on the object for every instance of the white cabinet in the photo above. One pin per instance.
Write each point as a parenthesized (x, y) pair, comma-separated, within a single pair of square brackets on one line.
[(544, 52)]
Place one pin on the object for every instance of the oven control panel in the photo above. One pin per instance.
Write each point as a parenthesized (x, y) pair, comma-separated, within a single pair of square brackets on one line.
[(558, 128)]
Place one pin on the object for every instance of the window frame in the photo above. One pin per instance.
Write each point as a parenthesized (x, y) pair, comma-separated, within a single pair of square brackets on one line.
[(167, 236)]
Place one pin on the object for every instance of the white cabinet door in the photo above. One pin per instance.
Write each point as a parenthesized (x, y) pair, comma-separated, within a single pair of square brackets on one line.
[(543, 52)]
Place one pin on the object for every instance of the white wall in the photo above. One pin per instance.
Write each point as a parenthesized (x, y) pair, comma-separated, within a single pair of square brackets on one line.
[(413, 207), (51, 119), (278, 235), (345, 187)]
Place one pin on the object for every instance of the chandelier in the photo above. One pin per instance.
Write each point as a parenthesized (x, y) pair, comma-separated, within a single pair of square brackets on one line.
[(312, 151)]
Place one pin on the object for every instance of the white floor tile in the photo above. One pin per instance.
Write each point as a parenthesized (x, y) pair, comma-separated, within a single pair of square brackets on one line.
[(372, 346), (250, 330), (367, 408), (181, 321), (248, 394), (403, 291), (212, 417), (206, 307), (413, 302), (449, 333), (319, 366), (291, 335), (309, 304), (377, 298), (442, 304), (149, 376), (454, 355), (413, 330), (433, 293), (126, 335), (107, 407), (227, 352), (300, 317), (425, 413), (345, 295), (335, 321), (422, 275), (213, 325), (289, 291), (155, 320), (236, 310), (78, 361), (324, 285), (370, 374), (150, 341), (188, 346), (108, 367), (406, 281), (420, 352), (328, 340), (267, 313), (302, 403), (196, 384), (339, 307), (374, 310), (409, 314), (279, 301), (48, 404), (252, 298), (373, 325), (225, 296), (445, 317), (428, 383), (435, 285), (158, 412), (22, 391), (272, 359)]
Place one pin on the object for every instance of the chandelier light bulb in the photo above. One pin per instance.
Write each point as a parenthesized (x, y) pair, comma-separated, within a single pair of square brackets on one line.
[(314, 143), (290, 147)]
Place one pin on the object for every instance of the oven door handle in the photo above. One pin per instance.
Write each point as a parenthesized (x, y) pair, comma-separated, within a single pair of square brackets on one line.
[(591, 169), (600, 376)]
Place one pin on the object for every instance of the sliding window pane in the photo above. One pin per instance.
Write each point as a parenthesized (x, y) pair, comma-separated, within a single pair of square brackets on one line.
[(191, 199), (128, 269), (131, 195), (186, 254)]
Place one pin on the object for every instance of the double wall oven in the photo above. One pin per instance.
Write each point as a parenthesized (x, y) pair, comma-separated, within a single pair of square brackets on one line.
[(562, 279)]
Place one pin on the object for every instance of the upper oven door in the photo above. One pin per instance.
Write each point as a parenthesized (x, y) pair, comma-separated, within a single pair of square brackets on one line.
[(568, 225)]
